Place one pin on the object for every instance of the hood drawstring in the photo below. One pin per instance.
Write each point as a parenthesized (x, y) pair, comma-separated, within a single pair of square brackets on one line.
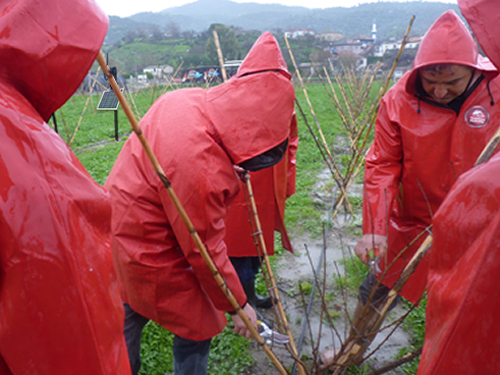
[(418, 109), (492, 102)]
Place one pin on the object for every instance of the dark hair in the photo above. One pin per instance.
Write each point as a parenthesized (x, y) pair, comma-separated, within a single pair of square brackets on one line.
[(438, 68)]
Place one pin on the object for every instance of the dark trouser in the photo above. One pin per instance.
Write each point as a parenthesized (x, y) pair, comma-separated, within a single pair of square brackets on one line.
[(246, 268), (367, 287), (190, 357)]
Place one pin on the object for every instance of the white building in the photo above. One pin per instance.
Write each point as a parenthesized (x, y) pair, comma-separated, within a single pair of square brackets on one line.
[(299, 33), (159, 71), (382, 48)]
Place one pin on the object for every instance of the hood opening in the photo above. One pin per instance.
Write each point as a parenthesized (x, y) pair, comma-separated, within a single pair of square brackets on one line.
[(266, 159), (448, 41), (455, 104)]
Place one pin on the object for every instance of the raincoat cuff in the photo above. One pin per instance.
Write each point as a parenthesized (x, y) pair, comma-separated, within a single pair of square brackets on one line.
[(234, 312)]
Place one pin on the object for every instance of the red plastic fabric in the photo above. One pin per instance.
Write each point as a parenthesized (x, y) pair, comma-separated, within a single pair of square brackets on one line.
[(483, 17), (271, 187), (60, 309), (197, 136), (420, 149), (462, 333)]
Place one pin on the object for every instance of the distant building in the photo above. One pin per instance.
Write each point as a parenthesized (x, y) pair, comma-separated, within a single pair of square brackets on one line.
[(393, 45), (359, 44), (362, 38), (299, 33), (329, 36), (159, 71)]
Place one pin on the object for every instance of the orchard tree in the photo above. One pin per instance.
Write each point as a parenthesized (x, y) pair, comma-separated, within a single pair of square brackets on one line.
[(227, 40), (173, 30)]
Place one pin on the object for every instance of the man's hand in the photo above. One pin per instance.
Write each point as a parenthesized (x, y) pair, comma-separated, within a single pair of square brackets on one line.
[(368, 243), (240, 327)]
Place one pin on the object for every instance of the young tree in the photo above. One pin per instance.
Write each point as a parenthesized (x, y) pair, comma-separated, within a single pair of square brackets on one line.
[(228, 43), (173, 30)]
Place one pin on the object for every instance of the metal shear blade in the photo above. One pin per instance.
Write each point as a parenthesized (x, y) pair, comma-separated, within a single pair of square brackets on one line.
[(373, 264), (270, 335)]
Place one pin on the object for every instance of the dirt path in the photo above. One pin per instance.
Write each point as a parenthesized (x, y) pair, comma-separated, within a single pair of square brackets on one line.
[(294, 269)]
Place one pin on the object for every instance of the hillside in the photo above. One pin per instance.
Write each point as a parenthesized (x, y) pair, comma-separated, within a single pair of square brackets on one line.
[(391, 17)]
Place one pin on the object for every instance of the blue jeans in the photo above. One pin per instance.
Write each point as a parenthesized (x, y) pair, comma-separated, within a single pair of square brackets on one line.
[(190, 357), (246, 268)]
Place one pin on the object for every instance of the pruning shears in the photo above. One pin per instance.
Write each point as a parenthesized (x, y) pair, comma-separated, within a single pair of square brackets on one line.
[(373, 262), (270, 335)]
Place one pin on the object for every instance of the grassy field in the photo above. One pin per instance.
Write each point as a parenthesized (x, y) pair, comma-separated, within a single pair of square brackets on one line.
[(90, 134)]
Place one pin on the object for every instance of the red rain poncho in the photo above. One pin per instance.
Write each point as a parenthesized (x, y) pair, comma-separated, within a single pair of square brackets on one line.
[(271, 188), (60, 309), (197, 136), (462, 334), (421, 148)]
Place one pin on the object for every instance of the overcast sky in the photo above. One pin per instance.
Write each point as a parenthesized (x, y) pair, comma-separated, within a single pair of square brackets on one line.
[(129, 7)]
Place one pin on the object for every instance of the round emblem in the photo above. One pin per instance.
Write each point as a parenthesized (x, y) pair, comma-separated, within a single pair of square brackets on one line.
[(477, 117)]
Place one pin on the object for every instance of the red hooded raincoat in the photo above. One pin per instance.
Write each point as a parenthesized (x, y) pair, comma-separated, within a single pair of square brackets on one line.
[(60, 310), (197, 136), (421, 148), (462, 334)]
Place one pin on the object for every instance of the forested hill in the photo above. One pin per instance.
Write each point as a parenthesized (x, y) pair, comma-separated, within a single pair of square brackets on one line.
[(391, 18)]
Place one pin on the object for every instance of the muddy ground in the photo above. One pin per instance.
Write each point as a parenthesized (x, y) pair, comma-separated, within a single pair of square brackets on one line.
[(309, 258)]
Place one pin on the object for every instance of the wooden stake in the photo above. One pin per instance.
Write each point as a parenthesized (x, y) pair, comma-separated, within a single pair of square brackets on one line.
[(84, 109), (219, 53), (274, 288), (337, 174)]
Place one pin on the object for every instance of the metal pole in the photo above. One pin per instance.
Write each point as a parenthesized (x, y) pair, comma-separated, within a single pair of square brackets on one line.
[(116, 124)]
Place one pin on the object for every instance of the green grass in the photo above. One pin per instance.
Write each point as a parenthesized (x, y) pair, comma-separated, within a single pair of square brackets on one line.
[(415, 326), (229, 352), (355, 272), (99, 160)]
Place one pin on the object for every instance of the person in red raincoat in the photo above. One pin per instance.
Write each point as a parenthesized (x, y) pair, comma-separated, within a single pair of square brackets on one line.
[(60, 308), (462, 333), (271, 187), (431, 127), (198, 136)]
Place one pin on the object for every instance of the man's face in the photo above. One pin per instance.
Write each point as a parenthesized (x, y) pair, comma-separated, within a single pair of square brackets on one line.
[(445, 85)]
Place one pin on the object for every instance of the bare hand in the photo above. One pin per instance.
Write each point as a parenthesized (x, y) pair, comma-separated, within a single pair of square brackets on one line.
[(368, 243), (240, 327), (238, 169)]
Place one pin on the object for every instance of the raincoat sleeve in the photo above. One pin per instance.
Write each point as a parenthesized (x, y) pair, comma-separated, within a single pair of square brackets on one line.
[(205, 197), (382, 171)]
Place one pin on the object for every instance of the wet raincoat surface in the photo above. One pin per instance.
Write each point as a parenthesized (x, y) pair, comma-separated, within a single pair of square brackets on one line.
[(197, 136), (421, 148), (60, 309), (462, 333), (271, 188)]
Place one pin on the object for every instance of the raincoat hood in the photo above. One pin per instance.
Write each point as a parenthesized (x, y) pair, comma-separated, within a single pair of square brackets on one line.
[(448, 42), (258, 103), (264, 55), (486, 28), (42, 56)]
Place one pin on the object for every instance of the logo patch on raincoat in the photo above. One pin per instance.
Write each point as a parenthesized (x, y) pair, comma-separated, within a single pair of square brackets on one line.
[(477, 117)]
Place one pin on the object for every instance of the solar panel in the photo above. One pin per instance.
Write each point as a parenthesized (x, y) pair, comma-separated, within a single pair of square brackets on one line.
[(109, 101)]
